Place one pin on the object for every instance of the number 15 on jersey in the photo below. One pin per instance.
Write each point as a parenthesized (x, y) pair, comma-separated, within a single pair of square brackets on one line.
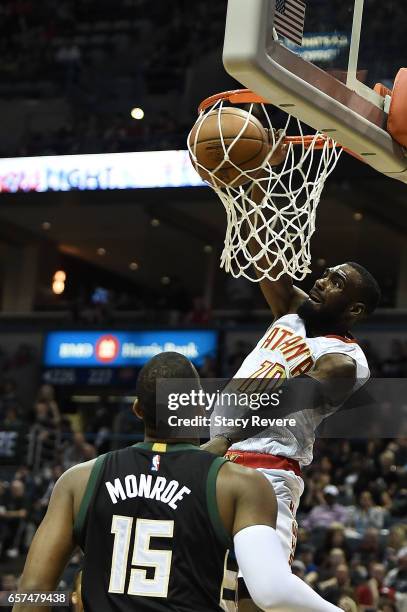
[(143, 556)]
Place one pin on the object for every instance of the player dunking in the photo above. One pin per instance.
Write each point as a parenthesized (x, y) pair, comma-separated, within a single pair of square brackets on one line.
[(309, 335), (156, 521)]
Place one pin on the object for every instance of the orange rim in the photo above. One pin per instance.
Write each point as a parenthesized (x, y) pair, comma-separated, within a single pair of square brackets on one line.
[(308, 141), (246, 96), (235, 96)]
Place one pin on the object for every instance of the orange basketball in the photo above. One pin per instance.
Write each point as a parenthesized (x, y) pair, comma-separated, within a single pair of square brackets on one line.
[(247, 152)]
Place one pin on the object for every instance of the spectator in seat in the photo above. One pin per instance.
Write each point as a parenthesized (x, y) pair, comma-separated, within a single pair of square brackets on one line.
[(8, 582), (368, 593), (11, 420), (365, 514), (370, 548), (338, 585), (44, 415), (46, 433), (328, 566), (13, 515), (396, 540), (401, 452), (27, 477), (46, 394), (397, 577), (389, 472), (41, 504), (328, 511), (334, 538), (78, 452), (9, 393)]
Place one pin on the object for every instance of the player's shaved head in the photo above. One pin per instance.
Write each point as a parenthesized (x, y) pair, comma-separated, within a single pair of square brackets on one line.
[(369, 288), (167, 365)]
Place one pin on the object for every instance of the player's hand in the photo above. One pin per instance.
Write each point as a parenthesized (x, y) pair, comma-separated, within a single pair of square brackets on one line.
[(281, 150), (218, 446)]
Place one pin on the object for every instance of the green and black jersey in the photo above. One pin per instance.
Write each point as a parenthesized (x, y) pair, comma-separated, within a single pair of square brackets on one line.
[(151, 533)]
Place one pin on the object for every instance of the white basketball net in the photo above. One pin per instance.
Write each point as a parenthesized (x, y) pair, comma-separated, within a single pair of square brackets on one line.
[(279, 225)]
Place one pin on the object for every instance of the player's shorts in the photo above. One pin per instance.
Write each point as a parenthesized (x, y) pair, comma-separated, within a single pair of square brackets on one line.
[(284, 476), (288, 486)]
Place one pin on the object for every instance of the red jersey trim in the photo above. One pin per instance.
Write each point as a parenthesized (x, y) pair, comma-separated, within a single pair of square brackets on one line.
[(350, 340), (263, 460)]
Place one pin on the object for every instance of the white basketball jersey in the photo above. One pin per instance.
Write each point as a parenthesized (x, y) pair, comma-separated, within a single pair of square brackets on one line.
[(285, 351)]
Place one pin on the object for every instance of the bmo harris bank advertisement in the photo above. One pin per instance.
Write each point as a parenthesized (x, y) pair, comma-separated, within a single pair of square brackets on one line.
[(72, 349)]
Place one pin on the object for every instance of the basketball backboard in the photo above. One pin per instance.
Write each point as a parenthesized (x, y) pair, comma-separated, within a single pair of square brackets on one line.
[(347, 47)]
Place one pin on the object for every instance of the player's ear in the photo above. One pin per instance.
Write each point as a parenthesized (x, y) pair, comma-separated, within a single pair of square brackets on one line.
[(137, 409), (357, 309)]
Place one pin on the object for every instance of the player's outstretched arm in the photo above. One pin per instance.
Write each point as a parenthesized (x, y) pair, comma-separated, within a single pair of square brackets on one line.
[(268, 577), (336, 373), (282, 296), (248, 507), (51, 547)]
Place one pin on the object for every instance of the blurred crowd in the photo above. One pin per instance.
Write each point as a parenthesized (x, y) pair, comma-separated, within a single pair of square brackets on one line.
[(393, 365), (352, 539), (101, 57)]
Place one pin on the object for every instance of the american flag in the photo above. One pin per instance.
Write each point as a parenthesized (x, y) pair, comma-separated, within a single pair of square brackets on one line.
[(289, 19)]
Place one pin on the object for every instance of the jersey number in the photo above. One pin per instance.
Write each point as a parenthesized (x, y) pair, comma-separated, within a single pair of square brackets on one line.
[(259, 381), (143, 556)]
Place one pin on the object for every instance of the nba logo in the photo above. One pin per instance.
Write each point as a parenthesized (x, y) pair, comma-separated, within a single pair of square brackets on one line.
[(155, 464)]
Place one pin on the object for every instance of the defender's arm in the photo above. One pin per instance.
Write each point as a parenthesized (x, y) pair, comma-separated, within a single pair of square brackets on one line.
[(52, 545), (248, 508)]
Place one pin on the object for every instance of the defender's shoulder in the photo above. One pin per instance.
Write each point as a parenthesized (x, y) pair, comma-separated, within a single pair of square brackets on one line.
[(244, 478)]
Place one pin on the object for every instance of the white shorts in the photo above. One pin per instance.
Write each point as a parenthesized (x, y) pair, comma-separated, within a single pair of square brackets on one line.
[(288, 488)]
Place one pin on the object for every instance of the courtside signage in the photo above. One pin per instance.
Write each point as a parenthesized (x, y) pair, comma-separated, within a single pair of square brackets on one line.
[(121, 349), (140, 170)]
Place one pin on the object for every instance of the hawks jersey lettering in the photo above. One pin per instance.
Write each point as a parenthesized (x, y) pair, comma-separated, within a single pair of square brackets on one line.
[(149, 537), (284, 352)]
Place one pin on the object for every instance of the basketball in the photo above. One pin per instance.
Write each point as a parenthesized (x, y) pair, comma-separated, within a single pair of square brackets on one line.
[(244, 138)]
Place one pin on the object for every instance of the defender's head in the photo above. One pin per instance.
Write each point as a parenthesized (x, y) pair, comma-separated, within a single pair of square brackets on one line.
[(168, 365), (342, 296)]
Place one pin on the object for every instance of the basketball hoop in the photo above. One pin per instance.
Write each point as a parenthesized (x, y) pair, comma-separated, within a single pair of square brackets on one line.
[(271, 218)]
